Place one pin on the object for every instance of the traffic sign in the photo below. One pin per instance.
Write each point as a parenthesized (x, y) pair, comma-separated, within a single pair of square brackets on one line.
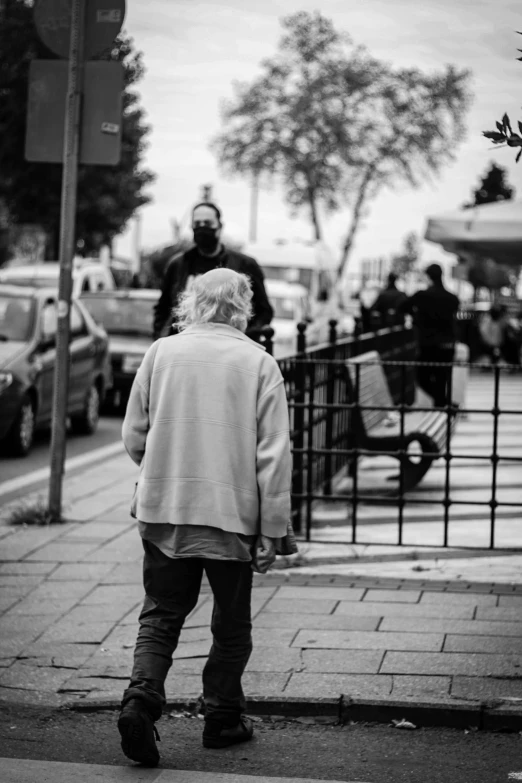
[(103, 22), (100, 136)]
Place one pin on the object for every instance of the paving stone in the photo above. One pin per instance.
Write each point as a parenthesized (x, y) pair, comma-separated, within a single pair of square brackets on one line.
[(32, 697), (273, 637), (183, 685), (21, 580), (12, 645), (123, 573), (405, 610), (7, 601), (198, 634), (81, 572), (22, 569), (6, 662), (14, 591), (62, 553), (100, 531), (63, 632), (51, 590), (304, 685), (421, 688), (511, 600), (127, 547), (264, 683), (482, 688), (319, 621), (110, 594), (440, 625), (395, 596), (188, 666), (61, 655), (131, 618), (201, 616), (78, 683), (310, 606), (98, 614), (321, 593), (458, 599), (369, 640), (192, 650), (490, 644), (470, 664), (33, 678), (38, 606), (508, 613), (270, 659), (353, 662)]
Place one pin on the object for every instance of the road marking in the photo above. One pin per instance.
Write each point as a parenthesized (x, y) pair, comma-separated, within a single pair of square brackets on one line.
[(42, 474)]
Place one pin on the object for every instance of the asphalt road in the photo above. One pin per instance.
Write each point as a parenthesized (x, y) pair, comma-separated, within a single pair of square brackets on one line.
[(370, 753), (108, 432)]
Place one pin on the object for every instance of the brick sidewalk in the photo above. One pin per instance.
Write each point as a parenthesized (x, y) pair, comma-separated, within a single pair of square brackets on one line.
[(437, 650)]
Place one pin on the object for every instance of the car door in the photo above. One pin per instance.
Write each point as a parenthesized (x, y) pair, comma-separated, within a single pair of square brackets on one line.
[(82, 360), (46, 360)]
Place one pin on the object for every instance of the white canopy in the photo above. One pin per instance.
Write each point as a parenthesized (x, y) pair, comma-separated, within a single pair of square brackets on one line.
[(490, 230)]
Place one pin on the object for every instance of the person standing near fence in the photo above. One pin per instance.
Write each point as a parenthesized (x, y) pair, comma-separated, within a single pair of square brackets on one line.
[(389, 301), (208, 253), (207, 422), (434, 312)]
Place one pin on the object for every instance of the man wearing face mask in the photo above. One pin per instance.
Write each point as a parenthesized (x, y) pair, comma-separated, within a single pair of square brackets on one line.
[(208, 253)]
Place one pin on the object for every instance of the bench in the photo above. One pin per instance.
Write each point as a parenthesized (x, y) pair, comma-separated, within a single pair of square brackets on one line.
[(377, 431)]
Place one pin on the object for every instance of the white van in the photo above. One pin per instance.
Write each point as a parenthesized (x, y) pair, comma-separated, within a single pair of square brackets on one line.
[(311, 265)]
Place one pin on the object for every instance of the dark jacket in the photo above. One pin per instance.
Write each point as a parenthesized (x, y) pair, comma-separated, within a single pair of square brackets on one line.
[(191, 262), (389, 299), (434, 311)]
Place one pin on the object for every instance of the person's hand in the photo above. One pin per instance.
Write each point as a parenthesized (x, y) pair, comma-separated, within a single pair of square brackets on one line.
[(264, 554)]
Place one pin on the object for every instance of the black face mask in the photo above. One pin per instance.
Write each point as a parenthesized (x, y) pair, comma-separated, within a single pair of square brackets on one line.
[(206, 239)]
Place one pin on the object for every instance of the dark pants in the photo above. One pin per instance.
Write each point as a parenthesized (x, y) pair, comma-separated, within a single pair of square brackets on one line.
[(171, 592), (434, 380)]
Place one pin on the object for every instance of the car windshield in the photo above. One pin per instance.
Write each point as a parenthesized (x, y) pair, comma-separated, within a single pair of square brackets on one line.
[(121, 316), (283, 307), (290, 274), (16, 317)]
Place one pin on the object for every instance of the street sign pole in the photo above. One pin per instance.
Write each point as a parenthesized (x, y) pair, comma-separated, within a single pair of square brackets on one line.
[(67, 246)]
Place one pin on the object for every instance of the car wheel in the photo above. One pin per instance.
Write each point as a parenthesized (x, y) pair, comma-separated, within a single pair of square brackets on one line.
[(21, 435), (86, 423)]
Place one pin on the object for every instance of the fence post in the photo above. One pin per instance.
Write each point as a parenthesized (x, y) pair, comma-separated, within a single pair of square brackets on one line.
[(268, 339), (330, 394), (298, 440)]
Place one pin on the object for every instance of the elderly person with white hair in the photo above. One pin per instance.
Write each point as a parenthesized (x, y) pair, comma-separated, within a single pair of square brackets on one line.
[(207, 422)]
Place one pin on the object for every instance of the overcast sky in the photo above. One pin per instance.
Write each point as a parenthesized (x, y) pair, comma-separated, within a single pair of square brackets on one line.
[(193, 51)]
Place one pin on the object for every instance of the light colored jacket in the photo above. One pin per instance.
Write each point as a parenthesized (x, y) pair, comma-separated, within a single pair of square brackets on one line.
[(207, 421)]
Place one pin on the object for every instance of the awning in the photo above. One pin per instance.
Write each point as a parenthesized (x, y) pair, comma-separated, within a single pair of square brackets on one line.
[(490, 230)]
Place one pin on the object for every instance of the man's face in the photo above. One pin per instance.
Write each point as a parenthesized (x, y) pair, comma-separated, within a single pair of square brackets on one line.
[(205, 217)]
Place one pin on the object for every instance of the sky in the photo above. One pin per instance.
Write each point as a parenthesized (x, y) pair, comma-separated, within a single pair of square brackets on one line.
[(194, 51)]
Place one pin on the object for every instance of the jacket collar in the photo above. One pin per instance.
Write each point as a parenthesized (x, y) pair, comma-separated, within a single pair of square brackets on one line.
[(220, 329)]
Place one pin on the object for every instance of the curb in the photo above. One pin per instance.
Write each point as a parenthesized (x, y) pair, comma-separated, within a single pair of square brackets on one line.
[(496, 716)]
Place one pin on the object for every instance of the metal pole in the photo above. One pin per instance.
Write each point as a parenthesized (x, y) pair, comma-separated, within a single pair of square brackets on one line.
[(254, 199), (67, 245)]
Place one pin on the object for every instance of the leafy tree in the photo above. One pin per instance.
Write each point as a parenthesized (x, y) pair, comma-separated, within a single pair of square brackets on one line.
[(504, 135), (107, 196), (493, 187), (335, 125), (406, 261)]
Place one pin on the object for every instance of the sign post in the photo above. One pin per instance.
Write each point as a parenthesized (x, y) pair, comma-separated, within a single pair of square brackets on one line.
[(67, 246)]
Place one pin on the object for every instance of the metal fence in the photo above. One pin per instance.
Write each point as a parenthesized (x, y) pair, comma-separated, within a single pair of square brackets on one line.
[(344, 415)]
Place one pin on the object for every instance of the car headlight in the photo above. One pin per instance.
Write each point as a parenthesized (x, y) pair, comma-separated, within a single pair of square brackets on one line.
[(6, 380)]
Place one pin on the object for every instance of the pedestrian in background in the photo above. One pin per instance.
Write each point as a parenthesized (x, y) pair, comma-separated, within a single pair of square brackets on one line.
[(434, 312), (389, 301), (208, 253), (207, 422)]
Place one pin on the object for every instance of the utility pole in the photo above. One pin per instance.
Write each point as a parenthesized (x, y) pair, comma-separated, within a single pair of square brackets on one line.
[(67, 246), (254, 201)]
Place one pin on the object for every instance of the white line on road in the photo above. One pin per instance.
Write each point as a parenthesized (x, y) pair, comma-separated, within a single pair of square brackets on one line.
[(42, 474)]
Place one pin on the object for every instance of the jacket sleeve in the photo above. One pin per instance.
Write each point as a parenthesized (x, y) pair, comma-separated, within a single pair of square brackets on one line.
[(274, 461), (163, 307), (136, 422), (263, 312)]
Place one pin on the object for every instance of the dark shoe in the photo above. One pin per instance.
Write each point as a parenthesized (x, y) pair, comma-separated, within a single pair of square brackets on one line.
[(215, 735), (138, 734)]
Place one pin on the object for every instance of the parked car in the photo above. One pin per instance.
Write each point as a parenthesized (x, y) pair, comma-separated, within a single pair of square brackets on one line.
[(127, 318), (292, 304), (28, 328), (87, 276)]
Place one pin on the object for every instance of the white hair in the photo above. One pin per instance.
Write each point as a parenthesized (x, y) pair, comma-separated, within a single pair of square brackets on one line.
[(219, 296)]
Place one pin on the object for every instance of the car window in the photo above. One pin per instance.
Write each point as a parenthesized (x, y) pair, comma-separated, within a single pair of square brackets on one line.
[(86, 285), (100, 281), (78, 326), (49, 322), (284, 307), (16, 318)]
